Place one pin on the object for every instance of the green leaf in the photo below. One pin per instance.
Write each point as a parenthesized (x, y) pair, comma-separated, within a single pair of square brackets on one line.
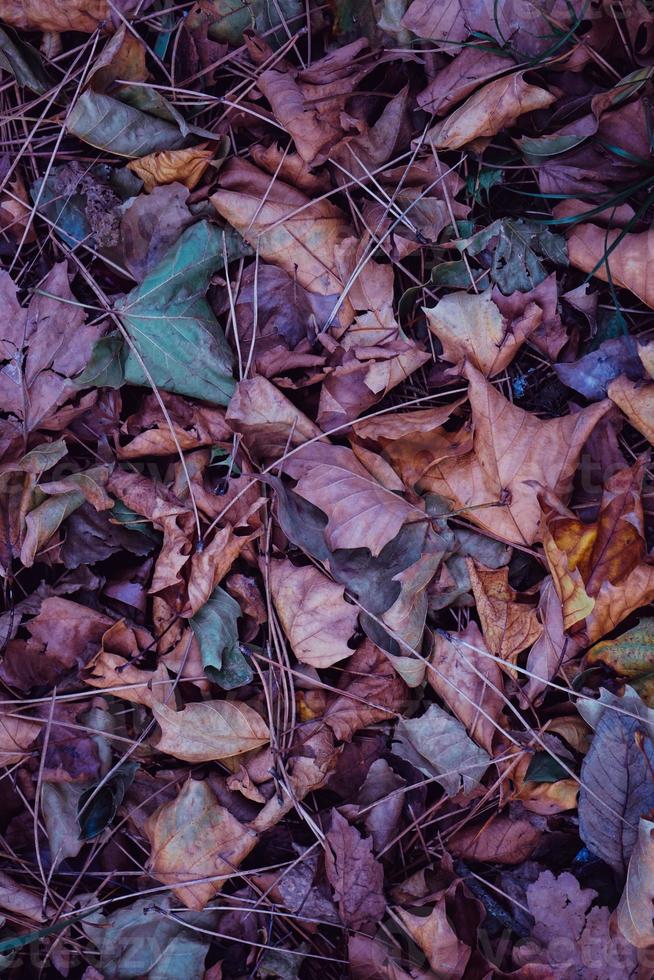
[(543, 768), (550, 146), (631, 656), (96, 808), (122, 514), (105, 367), (141, 940), (23, 62), (173, 326), (215, 630), (233, 17), (518, 246), (110, 125)]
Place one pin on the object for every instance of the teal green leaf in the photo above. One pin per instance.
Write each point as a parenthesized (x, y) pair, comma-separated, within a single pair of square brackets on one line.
[(214, 626), (105, 367), (96, 808), (129, 519), (172, 325), (235, 16), (544, 768), (518, 246), (118, 128), (141, 940)]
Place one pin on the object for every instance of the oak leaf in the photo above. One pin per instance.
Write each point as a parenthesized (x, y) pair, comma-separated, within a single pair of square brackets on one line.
[(354, 873)]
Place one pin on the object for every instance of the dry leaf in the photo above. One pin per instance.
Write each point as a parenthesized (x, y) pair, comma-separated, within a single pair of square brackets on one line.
[(635, 911), (55, 15), (185, 166), (509, 626), (502, 840), (16, 735), (637, 402), (600, 570), (354, 873), (494, 107), (207, 730), (513, 452), (629, 262), (434, 934), (196, 840), (314, 615)]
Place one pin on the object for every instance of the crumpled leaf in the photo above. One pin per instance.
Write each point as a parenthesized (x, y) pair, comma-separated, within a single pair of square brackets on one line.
[(600, 570), (168, 166), (509, 626), (437, 744), (354, 873), (194, 837), (313, 613), (207, 730), (43, 347), (491, 109)]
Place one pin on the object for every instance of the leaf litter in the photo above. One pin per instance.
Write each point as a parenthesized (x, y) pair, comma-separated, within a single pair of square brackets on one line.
[(326, 524)]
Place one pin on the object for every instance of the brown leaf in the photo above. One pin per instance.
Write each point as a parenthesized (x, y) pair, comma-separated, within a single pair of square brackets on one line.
[(289, 230), (434, 934), (503, 840), (361, 513), (192, 425), (184, 166), (635, 917), (196, 840), (629, 262), (600, 570), (290, 168), (45, 344), (268, 421), (150, 225), (471, 326), (19, 900), (63, 637), (637, 402), (113, 667), (372, 692), (355, 875), (553, 649), (313, 613), (208, 730), (461, 77), (513, 451), (55, 15), (469, 683), (509, 626), (16, 735), (490, 110)]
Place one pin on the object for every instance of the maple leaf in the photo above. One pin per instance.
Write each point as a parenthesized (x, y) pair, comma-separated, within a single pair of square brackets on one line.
[(512, 451)]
